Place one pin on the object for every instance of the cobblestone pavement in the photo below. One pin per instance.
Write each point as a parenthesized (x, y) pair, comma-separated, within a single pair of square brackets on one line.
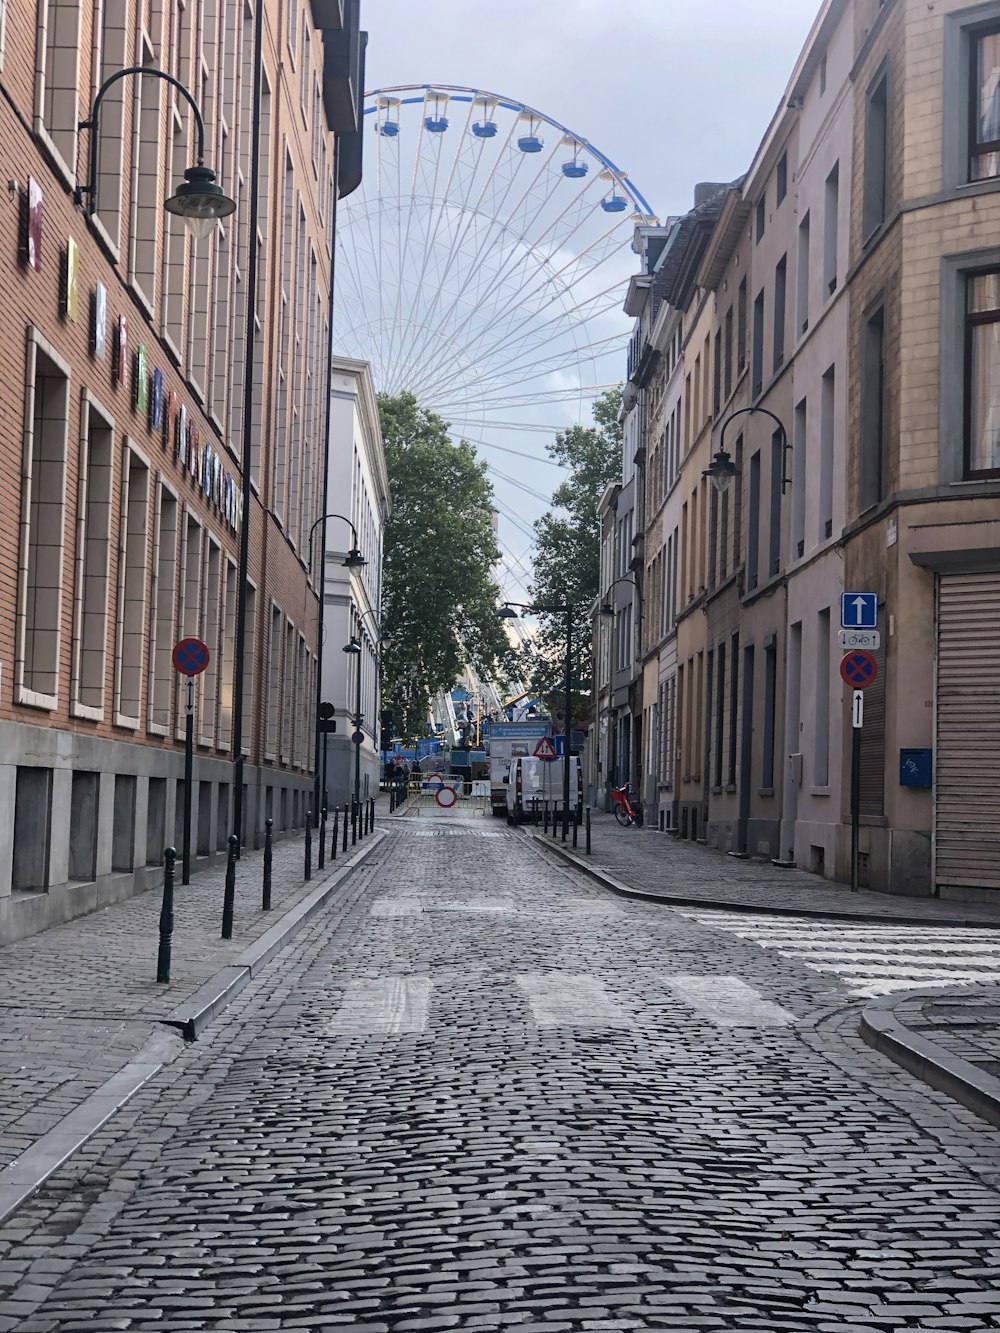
[(966, 1024), (79, 1000), (659, 863), (481, 1092)]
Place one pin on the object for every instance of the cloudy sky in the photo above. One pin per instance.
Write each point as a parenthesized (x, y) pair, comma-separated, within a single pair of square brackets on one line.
[(673, 91)]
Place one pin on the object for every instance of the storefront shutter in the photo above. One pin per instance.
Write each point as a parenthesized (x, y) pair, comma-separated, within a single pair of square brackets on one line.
[(967, 757)]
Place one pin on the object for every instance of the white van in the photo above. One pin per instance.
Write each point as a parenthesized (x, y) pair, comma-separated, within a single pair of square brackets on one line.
[(533, 782)]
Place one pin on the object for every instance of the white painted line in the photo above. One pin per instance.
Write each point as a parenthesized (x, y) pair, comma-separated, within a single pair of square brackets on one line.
[(383, 1004), (396, 907), (561, 999), (474, 905), (729, 1002)]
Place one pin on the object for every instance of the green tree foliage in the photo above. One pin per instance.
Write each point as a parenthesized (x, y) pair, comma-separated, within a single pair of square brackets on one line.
[(439, 596), (567, 558)]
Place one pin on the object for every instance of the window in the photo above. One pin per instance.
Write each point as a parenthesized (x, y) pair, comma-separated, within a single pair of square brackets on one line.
[(133, 562), (738, 504), (284, 342), (733, 705), (758, 343), (821, 740), (741, 328), (984, 108), (273, 684), (190, 618), (780, 294), (263, 232), (727, 356), (43, 508), (717, 375), (831, 211), (146, 173), (802, 279), (876, 154), (115, 37), (720, 711), (211, 591), (781, 178), (57, 113), (164, 602), (872, 462), (249, 662), (770, 708), (982, 374), (826, 423), (175, 233), (228, 663), (774, 509), (753, 523), (93, 549), (799, 480), (760, 218)]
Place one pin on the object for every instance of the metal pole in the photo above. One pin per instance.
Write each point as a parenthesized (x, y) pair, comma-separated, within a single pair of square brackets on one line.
[(855, 803), (569, 714), (321, 852), (372, 824), (246, 453), (336, 834), (345, 826), (357, 744), (188, 782), (166, 916), (588, 830), (229, 896), (266, 899), (309, 846)]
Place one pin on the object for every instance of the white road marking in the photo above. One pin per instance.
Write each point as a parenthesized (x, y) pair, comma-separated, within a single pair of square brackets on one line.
[(562, 999), (729, 1002), (396, 907), (383, 1004), (473, 905)]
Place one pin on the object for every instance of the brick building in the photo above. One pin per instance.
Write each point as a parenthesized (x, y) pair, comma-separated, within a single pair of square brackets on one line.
[(122, 485)]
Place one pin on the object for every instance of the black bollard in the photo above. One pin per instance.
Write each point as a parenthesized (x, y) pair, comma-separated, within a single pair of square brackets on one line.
[(321, 854), (576, 825), (309, 846), (372, 826), (336, 834), (354, 822), (266, 897), (166, 916), (229, 897), (545, 825), (588, 830), (392, 798), (345, 825)]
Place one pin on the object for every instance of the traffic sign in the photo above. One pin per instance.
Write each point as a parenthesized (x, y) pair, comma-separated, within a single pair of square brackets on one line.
[(357, 738), (859, 610), (858, 669), (190, 657), (858, 709), (860, 638), (545, 749)]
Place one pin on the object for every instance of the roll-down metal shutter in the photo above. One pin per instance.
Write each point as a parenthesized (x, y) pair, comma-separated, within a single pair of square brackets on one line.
[(967, 757)]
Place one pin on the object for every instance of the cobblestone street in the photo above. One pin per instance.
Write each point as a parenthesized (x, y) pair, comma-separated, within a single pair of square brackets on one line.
[(480, 1091)]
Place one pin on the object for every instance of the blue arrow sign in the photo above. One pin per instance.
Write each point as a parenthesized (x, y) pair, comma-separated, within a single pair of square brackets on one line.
[(859, 610)]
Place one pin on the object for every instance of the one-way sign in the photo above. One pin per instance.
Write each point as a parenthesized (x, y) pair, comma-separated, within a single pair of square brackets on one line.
[(859, 610)]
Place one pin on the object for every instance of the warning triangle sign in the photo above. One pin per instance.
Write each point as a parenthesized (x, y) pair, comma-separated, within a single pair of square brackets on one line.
[(545, 749)]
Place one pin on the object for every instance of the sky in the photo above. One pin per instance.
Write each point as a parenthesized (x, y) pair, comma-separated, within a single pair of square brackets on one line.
[(673, 91)]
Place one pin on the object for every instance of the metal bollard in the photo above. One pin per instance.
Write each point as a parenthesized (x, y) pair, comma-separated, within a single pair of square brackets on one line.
[(565, 824), (321, 854), (392, 798), (309, 846), (372, 825), (534, 811), (588, 830), (364, 820), (545, 825), (354, 822), (576, 825), (345, 825), (336, 834), (266, 896), (166, 916), (229, 897)]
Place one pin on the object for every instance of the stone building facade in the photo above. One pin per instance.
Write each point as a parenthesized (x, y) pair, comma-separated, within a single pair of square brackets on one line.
[(123, 491)]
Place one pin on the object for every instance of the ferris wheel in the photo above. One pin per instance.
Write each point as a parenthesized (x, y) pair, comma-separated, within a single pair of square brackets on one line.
[(483, 262)]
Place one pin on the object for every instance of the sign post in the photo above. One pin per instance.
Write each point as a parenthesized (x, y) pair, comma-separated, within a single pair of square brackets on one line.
[(857, 669), (190, 658)]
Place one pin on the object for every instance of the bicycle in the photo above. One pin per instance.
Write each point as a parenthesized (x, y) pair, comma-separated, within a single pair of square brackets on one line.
[(625, 812)]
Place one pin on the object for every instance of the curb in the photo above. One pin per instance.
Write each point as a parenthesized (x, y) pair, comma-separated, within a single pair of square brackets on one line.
[(959, 1079), (214, 995), (27, 1173), (753, 909)]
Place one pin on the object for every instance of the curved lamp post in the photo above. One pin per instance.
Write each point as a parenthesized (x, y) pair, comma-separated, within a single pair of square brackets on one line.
[(509, 612), (608, 611), (722, 469), (200, 201)]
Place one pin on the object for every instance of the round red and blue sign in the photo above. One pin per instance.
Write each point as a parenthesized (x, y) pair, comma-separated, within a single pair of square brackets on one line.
[(858, 669), (190, 657)]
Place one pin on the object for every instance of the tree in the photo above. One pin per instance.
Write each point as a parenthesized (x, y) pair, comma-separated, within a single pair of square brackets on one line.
[(567, 558), (439, 597)]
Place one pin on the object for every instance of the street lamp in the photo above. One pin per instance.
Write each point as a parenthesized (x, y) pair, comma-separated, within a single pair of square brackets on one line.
[(608, 611), (353, 559), (200, 201), (722, 469), (508, 612), (354, 648)]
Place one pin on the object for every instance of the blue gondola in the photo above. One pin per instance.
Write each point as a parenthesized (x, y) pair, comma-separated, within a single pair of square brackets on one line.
[(529, 143), (575, 170), (614, 203), (390, 128), (485, 130), (435, 124)]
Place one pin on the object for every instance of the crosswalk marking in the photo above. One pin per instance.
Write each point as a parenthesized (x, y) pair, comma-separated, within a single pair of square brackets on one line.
[(562, 999), (871, 959), (473, 905), (396, 907), (382, 1004), (729, 1002)]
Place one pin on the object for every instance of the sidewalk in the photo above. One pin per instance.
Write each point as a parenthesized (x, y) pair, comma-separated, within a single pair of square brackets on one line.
[(84, 1017), (949, 1039)]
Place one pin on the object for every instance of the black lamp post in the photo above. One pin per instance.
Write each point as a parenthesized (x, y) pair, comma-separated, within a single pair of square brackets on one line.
[(722, 469), (608, 611), (354, 648), (200, 200), (509, 612)]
